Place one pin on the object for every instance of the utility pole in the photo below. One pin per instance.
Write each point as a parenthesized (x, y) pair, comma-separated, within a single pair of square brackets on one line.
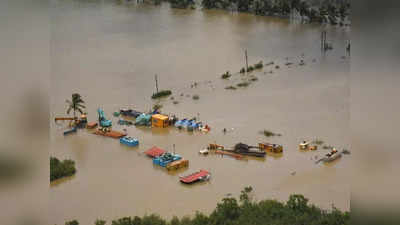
[(245, 55), (155, 77)]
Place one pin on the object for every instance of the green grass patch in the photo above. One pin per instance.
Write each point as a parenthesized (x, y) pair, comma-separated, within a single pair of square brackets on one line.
[(162, 93)]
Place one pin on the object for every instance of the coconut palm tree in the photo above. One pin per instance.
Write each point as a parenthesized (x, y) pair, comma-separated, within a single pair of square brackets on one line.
[(76, 104)]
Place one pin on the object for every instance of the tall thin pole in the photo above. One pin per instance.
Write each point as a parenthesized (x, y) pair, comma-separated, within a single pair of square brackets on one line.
[(245, 55), (155, 77)]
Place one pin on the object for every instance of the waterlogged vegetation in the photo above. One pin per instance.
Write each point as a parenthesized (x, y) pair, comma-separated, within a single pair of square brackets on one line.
[(60, 169), (162, 93), (268, 133), (245, 211), (226, 75), (243, 84), (333, 12)]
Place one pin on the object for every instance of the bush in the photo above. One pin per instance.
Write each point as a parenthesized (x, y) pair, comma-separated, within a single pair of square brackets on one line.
[(157, 106), (162, 93), (195, 97), (231, 88), (243, 70), (72, 222), (268, 133), (226, 75), (243, 84), (254, 79), (250, 68), (258, 65), (175, 102), (60, 169)]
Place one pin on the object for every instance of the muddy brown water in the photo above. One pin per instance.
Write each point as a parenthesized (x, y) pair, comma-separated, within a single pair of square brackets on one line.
[(110, 52)]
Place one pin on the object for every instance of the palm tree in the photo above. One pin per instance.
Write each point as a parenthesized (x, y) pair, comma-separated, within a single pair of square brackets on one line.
[(76, 104)]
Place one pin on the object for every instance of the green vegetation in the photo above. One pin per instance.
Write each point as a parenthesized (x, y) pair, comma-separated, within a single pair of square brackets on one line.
[(226, 75), (320, 11), (243, 70), (182, 4), (72, 222), (160, 94), (268, 133), (258, 65), (100, 222), (157, 106), (60, 169), (250, 68), (245, 211), (243, 84), (231, 88), (175, 102), (195, 97), (76, 104)]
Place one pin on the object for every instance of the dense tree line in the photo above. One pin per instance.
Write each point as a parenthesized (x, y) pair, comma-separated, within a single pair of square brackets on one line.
[(245, 211), (59, 169), (329, 11)]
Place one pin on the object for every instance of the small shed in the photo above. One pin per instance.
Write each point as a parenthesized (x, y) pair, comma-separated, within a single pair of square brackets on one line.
[(158, 120)]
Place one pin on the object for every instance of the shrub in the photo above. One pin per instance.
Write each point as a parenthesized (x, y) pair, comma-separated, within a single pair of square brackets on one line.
[(268, 133), (254, 79), (243, 84), (250, 68), (162, 93), (195, 97), (157, 106), (226, 75), (259, 65), (243, 70), (59, 169), (230, 88), (175, 102)]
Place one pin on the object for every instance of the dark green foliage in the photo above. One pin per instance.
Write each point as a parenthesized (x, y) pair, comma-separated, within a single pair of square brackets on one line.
[(75, 104), (243, 84), (72, 222), (231, 88), (250, 68), (284, 7), (182, 4), (195, 97), (60, 169), (268, 133), (243, 70), (296, 211), (226, 75), (258, 65), (100, 222), (162, 93)]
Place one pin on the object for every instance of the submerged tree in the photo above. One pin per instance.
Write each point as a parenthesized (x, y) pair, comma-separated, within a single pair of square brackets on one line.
[(76, 104)]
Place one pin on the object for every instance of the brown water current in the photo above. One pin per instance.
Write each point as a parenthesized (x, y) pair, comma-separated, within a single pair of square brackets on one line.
[(109, 53)]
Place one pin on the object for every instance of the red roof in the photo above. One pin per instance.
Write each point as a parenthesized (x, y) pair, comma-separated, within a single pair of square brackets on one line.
[(154, 152), (194, 176)]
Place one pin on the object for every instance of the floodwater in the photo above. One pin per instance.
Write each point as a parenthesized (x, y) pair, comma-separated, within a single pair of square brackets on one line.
[(109, 52)]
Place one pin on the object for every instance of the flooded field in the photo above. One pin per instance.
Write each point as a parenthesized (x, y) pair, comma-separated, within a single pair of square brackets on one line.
[(109, 53)]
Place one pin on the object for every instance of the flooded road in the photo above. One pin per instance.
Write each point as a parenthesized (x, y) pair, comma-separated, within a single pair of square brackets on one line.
[(109, 53)]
